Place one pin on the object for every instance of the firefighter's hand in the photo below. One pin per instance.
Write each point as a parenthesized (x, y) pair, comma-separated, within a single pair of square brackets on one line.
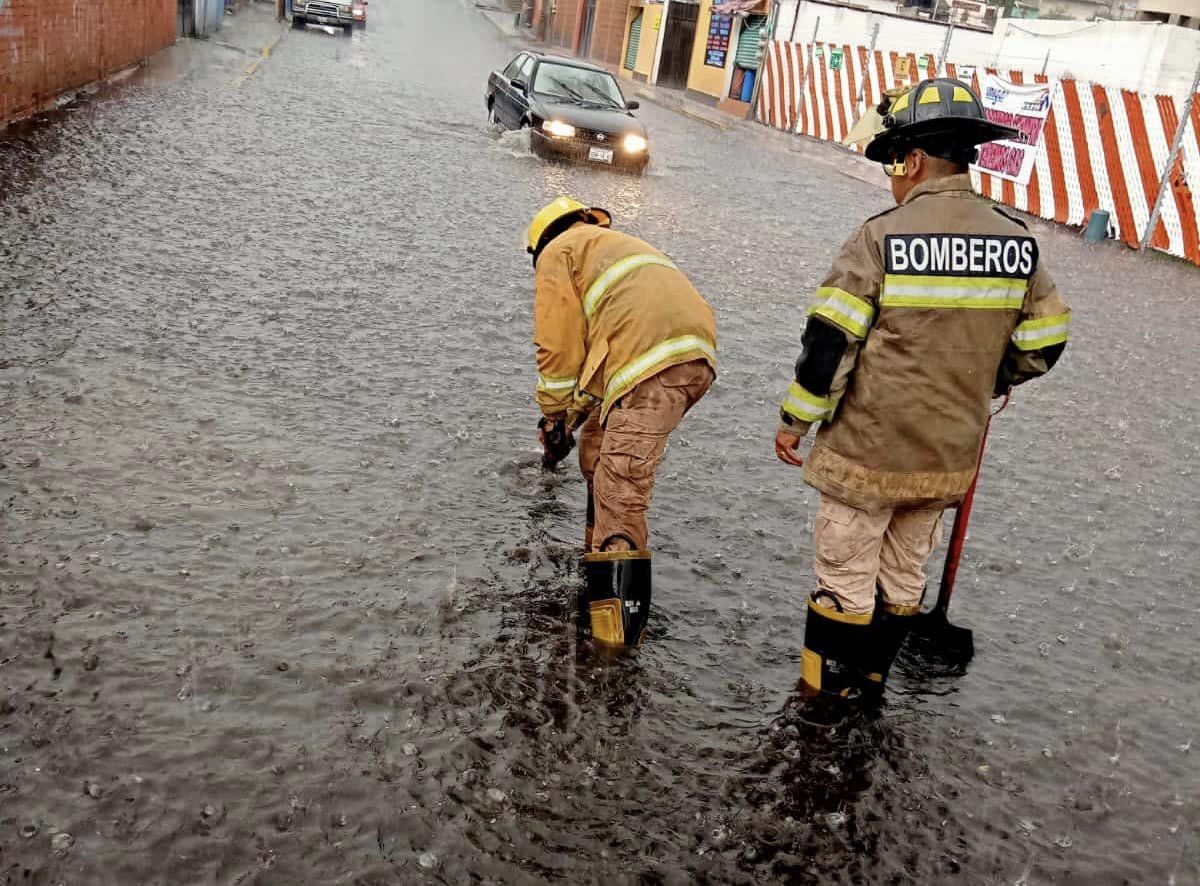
[(557, 441), (787, 448)]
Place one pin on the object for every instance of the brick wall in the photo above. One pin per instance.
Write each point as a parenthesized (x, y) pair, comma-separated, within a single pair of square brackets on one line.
[(608, 33), (565, 23), (49, 46)]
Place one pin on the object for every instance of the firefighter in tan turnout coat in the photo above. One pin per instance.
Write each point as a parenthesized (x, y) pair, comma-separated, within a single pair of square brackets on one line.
[(931, 309), (625, 347)]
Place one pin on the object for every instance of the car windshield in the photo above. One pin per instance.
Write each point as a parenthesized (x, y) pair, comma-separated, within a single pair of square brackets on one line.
[(577, 85)]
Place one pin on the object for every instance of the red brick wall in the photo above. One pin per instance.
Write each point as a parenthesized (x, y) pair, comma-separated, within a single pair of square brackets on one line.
[(49, 46), (565, 24), (609, 31)]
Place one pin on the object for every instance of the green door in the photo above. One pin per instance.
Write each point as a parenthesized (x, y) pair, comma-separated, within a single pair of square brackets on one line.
[(747, 51), (635, 40)]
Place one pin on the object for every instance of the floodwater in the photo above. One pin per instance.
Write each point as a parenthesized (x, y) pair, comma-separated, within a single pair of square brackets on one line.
[(286, 598)]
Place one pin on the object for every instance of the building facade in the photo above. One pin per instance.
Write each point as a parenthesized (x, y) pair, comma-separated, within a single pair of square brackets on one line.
[(1185, 13), (590, 29), (711, 53)]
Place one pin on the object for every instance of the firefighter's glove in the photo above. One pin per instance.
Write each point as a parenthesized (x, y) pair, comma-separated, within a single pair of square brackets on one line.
[(557, 440)]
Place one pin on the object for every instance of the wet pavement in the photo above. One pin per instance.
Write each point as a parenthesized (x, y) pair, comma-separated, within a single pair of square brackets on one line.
[(285, 596)]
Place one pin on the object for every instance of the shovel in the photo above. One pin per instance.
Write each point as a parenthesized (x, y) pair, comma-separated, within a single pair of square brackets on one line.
[(933, 631)]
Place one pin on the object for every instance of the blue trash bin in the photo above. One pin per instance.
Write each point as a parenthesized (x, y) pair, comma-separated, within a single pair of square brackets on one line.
[(748, 86)]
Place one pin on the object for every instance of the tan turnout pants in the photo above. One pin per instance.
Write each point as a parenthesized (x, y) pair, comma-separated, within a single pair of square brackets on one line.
[(619, 458), (854, 550)]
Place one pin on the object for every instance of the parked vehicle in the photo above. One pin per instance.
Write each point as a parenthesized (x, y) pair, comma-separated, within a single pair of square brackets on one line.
[(339, 13), (573, 110)]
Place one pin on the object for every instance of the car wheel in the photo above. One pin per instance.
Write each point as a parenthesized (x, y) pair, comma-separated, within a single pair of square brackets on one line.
[(298, 22), (348, 30), (537, 145)]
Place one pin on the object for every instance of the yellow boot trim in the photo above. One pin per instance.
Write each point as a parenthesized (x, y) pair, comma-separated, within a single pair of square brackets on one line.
[(898, 609), (810, 668), (609, 556), (607, 624), (850, 618)]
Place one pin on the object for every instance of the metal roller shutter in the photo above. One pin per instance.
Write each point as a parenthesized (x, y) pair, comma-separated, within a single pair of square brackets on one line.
[(747, 51), (635, 40)]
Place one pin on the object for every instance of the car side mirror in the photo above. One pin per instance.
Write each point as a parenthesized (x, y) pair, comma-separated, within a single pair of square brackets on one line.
[(633, 105), (520, 86)]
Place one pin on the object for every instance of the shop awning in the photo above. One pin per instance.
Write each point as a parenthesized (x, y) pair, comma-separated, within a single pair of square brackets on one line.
[(732, 7)]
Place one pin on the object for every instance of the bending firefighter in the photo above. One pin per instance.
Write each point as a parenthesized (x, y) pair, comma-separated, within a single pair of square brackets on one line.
[(625, 347), (931, 309)]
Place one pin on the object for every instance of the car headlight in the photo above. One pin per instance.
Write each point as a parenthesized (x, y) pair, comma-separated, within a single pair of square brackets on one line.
[(634, 143), (558, 128)]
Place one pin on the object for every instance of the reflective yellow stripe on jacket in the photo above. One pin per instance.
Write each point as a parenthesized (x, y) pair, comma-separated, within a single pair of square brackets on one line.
[(618, 270), (658, 357), (846, 311), (554, 385), (1032, 335), (978, 293), (805, 406)]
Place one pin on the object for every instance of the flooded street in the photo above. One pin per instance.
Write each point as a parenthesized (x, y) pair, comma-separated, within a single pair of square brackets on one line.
[(286, 597)]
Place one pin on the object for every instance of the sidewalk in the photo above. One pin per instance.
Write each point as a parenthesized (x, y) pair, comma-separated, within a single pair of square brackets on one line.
[(252, 30), (505, 21), (676, 101)]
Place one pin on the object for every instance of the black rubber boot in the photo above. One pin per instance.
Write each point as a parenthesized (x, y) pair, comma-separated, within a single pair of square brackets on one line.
[(889, 629), (835, 644), (614, 605)]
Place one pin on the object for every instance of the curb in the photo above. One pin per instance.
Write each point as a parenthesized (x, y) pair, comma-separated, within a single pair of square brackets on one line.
[(680, 109), (263, 55), (494, 19)]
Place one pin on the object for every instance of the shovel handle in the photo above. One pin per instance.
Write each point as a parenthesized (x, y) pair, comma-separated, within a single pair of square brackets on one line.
[(962, 517)]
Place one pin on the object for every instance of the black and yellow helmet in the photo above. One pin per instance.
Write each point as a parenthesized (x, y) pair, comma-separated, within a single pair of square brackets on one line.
[(940, 115)]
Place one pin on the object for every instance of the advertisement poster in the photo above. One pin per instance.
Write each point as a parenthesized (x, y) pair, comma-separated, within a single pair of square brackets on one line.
[(718, 40), (1024, 106)]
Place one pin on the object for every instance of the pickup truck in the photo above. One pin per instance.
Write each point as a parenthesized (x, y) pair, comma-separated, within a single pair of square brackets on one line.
[(339, 13)]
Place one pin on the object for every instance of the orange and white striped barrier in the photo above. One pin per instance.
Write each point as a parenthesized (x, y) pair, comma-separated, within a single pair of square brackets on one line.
[(1101, 147)]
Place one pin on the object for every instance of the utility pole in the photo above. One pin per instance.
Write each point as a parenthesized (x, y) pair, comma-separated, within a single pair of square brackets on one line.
[(764, 37), (862, 86), (1176, 146), (941, 65), (812, 48)]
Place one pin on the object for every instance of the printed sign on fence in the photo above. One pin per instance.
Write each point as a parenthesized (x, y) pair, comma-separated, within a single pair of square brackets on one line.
[(1023, 106)]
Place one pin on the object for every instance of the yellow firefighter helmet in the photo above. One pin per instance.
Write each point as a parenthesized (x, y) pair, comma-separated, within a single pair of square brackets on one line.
[(543, 223)]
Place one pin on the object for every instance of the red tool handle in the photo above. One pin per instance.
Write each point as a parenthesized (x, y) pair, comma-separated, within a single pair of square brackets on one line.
[(962, 517)]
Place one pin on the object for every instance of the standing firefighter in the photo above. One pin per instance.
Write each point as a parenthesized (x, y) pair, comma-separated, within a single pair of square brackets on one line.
[(625, 347), (931, 309)]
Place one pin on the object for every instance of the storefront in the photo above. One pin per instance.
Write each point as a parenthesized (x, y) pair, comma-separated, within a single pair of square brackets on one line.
[(725, 55), (642, 28), (590, 29)]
